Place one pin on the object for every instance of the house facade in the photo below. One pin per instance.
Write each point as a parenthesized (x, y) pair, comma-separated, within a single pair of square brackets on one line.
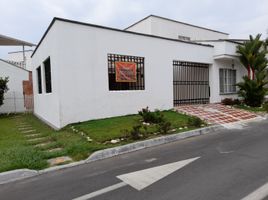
[(83, 71)]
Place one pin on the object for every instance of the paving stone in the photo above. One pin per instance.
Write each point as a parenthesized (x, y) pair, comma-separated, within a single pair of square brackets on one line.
[(29, 131), (54, 150), (42, 144), (25, 128), (59, 160), (35, 139), (33, 135)]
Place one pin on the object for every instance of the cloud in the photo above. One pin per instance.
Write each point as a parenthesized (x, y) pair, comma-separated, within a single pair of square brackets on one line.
[(29, 19)]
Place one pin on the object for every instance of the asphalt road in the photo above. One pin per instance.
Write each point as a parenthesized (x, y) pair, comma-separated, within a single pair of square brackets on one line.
[(232, 164)]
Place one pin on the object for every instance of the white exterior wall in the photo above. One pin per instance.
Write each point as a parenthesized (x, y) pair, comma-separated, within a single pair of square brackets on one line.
[(13, 99), (214, 74), (144, 27), (46, 106), (170, 29), (80, 72), (225, 56)]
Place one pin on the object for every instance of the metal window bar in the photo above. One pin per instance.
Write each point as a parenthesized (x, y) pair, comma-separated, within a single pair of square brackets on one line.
[(190, 83), (138, 85)]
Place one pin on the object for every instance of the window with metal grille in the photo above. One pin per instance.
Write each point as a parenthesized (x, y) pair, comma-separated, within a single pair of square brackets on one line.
[(138, 83), (47, 69), (227, 81), (39, 79)]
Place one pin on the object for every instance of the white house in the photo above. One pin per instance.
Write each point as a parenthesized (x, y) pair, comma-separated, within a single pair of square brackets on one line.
[(14, 99), (19, 97), (83, 71)]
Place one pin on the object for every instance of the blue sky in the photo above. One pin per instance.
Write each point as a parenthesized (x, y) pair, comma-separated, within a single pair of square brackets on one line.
[(28, 19)]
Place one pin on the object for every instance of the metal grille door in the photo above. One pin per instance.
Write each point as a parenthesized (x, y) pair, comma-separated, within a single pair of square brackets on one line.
[(190, 83)]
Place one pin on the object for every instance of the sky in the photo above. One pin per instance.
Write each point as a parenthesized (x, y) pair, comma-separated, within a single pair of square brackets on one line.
[(28, 19)]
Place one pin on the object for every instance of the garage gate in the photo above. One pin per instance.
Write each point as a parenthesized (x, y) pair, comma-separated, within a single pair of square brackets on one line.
[(190, 83)]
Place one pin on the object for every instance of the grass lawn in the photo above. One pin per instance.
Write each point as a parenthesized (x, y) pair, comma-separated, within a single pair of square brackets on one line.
[(17, 152), (252, 109)]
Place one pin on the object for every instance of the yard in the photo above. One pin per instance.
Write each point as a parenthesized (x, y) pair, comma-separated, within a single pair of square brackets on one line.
[(26, 142)]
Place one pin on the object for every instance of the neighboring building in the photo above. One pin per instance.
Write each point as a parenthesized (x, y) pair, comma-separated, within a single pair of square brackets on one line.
[(83, 71), (19, 97)]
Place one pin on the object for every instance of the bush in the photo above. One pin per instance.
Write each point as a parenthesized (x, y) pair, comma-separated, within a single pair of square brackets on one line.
[(195, 122), (136, 133), (151, 117), (227, 101), (230, 102), (252, 91), (3, 88), (265, 106), (164, 127)]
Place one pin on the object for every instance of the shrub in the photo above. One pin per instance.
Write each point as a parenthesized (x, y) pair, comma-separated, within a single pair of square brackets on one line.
[(136, 132), (3, 88), (151, 117), (227, 101), (195, 122), (164, 127), (265, 106)]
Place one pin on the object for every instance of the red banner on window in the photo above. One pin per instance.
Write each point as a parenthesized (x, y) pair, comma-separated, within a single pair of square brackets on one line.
[(125, 72)]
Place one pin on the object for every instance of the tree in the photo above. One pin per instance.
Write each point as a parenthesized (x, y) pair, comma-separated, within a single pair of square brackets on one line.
[(3, 89), (252, 55)]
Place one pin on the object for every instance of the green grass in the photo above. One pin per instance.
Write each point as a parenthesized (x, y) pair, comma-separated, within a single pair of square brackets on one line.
[(252, 109), (16, 152)]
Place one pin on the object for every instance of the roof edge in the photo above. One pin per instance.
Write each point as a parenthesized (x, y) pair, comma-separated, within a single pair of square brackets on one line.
[(172, 20), (109, 28)]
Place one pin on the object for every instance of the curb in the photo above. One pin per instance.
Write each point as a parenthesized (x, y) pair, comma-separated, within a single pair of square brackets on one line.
[(14, 175)]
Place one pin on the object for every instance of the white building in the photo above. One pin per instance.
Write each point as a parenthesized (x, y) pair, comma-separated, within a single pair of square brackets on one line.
[(83, 71), (19, 97)]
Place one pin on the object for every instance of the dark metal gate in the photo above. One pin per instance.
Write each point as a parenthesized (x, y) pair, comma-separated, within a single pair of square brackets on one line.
[(190, 83)]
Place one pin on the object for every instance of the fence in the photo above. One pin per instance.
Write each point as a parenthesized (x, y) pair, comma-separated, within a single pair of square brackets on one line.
[(15, 101)]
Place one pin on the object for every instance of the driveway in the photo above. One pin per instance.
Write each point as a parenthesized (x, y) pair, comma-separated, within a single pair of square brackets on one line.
[(216, 113)]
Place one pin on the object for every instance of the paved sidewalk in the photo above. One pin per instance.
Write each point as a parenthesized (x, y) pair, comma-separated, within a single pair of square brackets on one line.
[(216, 113)]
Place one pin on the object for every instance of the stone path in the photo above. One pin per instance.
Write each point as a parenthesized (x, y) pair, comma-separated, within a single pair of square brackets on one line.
[(40, 141), (216, 113)]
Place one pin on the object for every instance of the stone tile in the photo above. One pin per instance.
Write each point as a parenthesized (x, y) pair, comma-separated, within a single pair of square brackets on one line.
[(33, 135), (54, 150), (43, 144), (36, 139), (59, 160), (29, 131)]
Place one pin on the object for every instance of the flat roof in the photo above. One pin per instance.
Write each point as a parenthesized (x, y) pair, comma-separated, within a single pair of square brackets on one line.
[(9, 41), (112, 29), (172, 20)]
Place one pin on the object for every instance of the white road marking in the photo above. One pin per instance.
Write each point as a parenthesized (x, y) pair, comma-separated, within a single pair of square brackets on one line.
[(141, 179), (150, 160), (258, 194), (102, 191), (144, 178)]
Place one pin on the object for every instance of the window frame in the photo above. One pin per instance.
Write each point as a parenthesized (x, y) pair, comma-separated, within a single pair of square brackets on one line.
[(114, 86), (39, 80), (227, 81), (47, 76)]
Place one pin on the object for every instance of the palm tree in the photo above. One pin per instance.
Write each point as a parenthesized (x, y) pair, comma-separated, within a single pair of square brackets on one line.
[(252, 55)]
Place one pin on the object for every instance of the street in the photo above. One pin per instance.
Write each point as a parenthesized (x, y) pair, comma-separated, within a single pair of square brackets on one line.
[(227, 165)]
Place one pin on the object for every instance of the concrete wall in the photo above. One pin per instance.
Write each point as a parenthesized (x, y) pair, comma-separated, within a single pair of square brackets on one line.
[(46, 105), (214, 73), (14, 99), (170, 29), (80, 72)]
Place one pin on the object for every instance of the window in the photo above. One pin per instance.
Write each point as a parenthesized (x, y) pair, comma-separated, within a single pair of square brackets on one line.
[(227, 81), (39, 79), (185, 38), (125, 72), (47, 68)]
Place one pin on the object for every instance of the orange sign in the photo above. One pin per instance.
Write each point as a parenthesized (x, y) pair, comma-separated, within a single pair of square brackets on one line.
[(125, 72)]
